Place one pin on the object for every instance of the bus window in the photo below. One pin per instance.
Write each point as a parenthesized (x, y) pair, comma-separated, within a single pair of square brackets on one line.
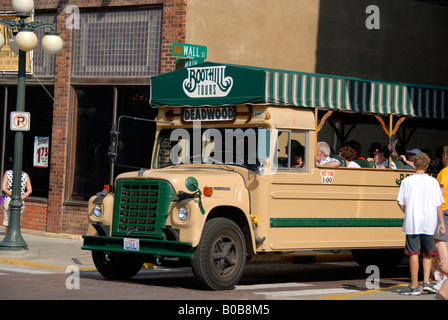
[(292, 150)]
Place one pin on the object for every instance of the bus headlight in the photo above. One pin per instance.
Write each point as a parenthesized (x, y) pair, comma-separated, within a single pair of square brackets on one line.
[(183, 213), (97, 210)]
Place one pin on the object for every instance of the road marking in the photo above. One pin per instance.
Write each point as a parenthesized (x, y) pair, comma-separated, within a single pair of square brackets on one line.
[(32, 264), (272, 286), (23, 270), (295, 293), (349, 295)]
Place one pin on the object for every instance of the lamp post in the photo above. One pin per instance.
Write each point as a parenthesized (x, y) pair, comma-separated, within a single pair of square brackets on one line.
[(26, 41)]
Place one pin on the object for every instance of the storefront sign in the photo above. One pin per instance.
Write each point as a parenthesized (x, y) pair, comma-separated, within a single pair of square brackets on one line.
[(41, 145), (207, 82), (208, 114), (9, 61)]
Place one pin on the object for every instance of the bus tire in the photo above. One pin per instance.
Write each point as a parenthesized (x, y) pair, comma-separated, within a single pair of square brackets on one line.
[(219, 259), (115, 266)]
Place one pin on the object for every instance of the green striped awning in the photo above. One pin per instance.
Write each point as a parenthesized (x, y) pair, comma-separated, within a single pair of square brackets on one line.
[(223, 84)]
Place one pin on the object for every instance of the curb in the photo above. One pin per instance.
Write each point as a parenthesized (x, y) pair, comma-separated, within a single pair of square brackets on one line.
[(25, 263), (49, 234)]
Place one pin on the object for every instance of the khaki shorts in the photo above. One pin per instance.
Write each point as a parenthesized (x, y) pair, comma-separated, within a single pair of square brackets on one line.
[(7, 211)]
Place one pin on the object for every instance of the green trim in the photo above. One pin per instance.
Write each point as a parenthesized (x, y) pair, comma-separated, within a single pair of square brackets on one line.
[(147, 246), (335, 222)]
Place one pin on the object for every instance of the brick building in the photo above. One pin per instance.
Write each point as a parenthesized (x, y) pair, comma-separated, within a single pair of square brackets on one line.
[(112, 51), (91, 88)]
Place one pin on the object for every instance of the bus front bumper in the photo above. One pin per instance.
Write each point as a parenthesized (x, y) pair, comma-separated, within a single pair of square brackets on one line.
[(167, 248)]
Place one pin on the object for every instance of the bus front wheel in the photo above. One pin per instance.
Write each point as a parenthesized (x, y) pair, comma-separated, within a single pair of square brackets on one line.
[(219, 259), (116, 266)]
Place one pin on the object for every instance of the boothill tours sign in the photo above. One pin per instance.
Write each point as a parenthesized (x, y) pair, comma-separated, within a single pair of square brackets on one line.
[(206, 82)]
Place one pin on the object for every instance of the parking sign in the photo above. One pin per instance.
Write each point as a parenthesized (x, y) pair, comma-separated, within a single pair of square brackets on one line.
[(19, 121)]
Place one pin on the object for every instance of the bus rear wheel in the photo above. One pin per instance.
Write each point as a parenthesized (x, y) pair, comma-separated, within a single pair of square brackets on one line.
[(219, 259), (116, 266), (385, 259)]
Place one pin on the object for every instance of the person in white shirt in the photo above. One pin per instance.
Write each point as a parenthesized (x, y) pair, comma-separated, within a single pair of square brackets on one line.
[(420, 198), (323, 156)]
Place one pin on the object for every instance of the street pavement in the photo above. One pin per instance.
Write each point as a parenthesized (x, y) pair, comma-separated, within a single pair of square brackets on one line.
[(58, 251), (49, 251)]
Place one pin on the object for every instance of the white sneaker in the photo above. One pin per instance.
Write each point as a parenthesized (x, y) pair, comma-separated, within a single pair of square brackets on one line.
[(439, 283)]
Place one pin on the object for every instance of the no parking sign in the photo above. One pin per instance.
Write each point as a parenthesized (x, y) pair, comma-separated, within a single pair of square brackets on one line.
[(19, 121)]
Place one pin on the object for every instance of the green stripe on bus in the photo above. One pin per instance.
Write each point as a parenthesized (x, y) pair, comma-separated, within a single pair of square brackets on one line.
[(335, 222)]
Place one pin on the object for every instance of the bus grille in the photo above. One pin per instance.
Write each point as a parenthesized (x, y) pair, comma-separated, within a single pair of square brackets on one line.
[(141, 207)]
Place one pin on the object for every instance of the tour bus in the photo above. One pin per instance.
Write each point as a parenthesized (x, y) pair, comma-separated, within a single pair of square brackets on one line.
[(222, 189)]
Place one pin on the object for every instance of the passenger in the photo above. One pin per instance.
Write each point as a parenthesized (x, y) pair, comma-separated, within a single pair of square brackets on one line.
[(348, 154), (408, 159), (323, 156), (297, 152), (380, 155), (356, 146)]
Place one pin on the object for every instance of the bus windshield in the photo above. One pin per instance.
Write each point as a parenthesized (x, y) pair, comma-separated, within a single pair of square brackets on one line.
[(228, 146)]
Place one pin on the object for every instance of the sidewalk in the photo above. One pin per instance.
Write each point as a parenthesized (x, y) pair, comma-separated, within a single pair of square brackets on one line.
[(48, 251)]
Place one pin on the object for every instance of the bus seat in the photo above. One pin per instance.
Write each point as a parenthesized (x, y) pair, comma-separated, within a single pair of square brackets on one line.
[(398, 164), (365, 163), (340, 159)]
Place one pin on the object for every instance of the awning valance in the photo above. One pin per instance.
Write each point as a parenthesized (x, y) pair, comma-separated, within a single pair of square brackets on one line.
[(223, 84)]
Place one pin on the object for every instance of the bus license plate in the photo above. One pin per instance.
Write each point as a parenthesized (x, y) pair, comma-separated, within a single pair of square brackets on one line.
[(131, 244)]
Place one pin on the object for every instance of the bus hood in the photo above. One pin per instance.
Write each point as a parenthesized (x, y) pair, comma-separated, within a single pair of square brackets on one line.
[(218, 179)]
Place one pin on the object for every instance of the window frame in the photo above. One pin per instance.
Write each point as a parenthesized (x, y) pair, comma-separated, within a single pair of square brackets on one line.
[(290, 133)]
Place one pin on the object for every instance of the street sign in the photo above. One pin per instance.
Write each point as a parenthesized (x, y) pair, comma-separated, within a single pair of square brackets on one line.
[(189, 50), (185, 63), (19, 121)]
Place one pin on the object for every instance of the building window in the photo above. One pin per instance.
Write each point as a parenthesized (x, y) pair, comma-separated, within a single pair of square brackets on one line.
[(43, 63), (98, 108), (40, 106), (117, 44)]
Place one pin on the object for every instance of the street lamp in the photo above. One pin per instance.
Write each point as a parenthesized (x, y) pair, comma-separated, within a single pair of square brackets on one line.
[(26, 41)]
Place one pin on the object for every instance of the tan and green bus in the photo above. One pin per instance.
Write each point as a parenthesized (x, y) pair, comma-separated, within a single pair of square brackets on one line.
[(222, 189)]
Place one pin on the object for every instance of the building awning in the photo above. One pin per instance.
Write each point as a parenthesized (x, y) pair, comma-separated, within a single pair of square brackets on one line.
[(213, 84)]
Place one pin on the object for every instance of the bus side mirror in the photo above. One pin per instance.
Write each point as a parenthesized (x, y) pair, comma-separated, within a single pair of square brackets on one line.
[(264, 144)]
